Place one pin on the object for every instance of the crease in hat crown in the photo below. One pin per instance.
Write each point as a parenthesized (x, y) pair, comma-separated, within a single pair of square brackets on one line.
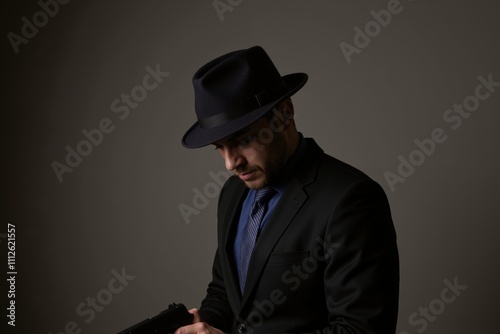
[(233, 91)]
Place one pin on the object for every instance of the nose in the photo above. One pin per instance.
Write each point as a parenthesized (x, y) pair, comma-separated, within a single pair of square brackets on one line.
[(232, 157)]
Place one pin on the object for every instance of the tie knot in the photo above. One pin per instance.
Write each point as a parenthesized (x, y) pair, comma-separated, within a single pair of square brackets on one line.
[(264, 194)]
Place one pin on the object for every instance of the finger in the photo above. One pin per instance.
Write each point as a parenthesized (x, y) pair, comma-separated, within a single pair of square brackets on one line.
[(189, 329)]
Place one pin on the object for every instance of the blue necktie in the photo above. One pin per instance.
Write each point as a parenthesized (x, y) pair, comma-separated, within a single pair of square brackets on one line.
[(257, 212)]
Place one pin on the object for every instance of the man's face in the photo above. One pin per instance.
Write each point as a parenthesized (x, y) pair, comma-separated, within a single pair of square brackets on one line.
[(256, 154)]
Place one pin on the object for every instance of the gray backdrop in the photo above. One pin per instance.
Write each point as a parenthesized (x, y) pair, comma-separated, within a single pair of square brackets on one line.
[(408, 92)]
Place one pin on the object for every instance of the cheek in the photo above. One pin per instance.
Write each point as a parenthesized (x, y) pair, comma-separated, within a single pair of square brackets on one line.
[(254, 153)]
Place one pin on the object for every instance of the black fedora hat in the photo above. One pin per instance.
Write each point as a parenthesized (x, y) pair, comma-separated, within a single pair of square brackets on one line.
[(235, 90)]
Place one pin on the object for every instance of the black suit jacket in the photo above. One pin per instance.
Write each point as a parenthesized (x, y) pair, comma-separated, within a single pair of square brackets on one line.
[(327, 260)]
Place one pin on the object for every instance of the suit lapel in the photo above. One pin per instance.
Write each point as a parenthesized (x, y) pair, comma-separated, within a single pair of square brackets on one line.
[(292, 200), (282, 216)]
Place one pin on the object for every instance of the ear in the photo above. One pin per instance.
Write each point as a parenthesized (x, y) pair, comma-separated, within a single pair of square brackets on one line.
[(287, 112)]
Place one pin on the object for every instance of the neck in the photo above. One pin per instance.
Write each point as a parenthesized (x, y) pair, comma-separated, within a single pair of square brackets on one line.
[(293, 140)]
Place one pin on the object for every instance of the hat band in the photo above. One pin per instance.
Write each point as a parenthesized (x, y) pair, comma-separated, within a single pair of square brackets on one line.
[(260, 99), (220, 118)]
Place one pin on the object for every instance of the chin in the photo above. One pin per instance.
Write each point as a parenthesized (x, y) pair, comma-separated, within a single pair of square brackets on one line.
[(256, 183)]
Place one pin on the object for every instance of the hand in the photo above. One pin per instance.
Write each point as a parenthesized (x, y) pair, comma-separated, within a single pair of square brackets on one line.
[(198, 326)]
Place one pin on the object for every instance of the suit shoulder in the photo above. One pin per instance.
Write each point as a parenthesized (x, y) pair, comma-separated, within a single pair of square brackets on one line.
[(340, 166), (328, 166), (333, 173), (335, 169)]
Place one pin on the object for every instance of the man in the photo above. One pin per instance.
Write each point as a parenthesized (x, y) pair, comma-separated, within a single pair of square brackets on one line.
[(306, 242)]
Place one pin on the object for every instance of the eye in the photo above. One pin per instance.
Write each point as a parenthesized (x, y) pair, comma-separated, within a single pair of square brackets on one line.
[(246, 141)]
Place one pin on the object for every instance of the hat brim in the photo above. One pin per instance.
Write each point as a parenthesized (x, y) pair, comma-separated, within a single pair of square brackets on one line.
[(197, 136)]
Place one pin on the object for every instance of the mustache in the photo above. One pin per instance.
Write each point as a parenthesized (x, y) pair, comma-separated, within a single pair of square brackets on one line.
[(243, 169)]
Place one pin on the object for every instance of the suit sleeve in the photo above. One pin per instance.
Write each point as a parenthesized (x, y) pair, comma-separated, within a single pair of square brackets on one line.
[(362, 277), (215, 309)]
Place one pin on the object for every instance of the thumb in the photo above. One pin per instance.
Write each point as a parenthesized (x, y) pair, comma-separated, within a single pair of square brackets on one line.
[(196, 315)]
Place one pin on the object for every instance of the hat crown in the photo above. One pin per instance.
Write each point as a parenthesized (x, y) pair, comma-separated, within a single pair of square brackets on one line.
[(231, 84), (235, 90)]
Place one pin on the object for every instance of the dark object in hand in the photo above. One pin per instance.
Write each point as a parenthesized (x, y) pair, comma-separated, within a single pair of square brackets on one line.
[(166, 322)]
